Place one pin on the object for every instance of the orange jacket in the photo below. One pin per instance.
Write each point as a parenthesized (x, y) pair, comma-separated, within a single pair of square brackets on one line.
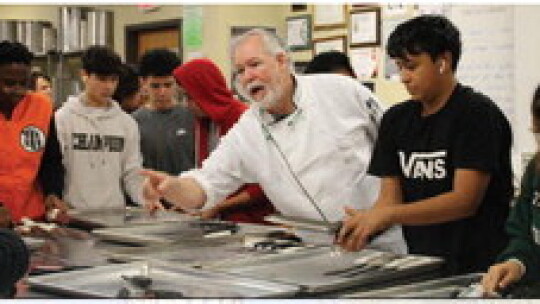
[(22, 141)]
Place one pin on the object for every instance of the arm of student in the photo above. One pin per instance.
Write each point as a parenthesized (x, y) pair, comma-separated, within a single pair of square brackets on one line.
[(132, 163), (520, 256), (51, 170), (51, 174), (358, 225), (468, 191)]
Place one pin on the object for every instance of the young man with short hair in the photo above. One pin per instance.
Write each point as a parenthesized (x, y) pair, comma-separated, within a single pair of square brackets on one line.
[(166, 126), (100, 142), (443, 157), (31, 172)]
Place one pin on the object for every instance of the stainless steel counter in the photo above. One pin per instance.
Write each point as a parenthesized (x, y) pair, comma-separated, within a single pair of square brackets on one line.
[(445, 288)]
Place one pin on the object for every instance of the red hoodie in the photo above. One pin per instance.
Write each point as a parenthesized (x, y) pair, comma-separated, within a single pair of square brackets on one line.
[(205, 84)]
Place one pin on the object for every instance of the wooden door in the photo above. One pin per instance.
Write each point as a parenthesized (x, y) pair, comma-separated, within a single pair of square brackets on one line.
[(163, 38), (158, 34)]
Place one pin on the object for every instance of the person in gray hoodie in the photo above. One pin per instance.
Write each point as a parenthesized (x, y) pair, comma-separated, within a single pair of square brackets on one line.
[(99, 141)]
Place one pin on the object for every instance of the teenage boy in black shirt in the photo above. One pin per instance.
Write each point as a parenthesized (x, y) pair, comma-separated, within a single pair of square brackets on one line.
[(443, 156)]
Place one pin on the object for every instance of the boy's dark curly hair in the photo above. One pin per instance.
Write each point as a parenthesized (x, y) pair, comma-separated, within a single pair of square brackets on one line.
[(158, 62), (14, 52), (432, 34), (128, 83), (101, 60), (329, 62)]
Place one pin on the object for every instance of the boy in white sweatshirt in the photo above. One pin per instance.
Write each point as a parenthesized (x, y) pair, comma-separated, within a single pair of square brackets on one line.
[(100, 142)]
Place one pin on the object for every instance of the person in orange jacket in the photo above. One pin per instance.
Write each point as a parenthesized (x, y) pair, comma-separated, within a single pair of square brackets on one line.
[(31, 171)]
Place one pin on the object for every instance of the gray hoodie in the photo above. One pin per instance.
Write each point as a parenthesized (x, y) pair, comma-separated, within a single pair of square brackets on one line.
[(101, 155)]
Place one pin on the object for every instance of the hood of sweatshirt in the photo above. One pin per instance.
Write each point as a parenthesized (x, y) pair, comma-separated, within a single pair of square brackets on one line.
[(204, 82), (75, 104)]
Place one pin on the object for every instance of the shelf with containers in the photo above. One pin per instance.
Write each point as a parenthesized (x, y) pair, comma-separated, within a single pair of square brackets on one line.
[(57, 52)]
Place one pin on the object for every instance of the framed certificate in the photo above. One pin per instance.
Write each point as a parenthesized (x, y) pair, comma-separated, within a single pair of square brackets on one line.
[(299, 32), (336, 43), (365, 27), (329, 16)]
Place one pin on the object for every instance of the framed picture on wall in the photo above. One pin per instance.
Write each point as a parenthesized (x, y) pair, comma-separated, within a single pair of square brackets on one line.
[(365, 27), (299, 32), (365, 62), (329, 16), (336, 43)]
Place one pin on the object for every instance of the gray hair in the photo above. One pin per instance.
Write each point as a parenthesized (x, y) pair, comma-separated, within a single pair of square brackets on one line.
[(272, 44)]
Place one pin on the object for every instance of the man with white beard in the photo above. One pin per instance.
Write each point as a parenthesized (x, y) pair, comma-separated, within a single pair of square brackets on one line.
[(307, 140)]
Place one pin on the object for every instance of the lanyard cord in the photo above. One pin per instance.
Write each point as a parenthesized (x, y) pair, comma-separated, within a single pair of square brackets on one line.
[(298, 182)]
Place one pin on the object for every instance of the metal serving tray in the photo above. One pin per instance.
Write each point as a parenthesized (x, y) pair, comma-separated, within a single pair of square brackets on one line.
[(324, 270), (304, 223), (206, 253), (123, 217), (439, 288), (169, 233), (106, 282)]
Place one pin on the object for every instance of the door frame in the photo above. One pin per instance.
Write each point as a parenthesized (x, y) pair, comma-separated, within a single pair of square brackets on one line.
[(132, 38)]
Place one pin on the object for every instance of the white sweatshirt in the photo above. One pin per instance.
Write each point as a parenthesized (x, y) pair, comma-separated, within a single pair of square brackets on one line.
[(101, 155), (328, 142)]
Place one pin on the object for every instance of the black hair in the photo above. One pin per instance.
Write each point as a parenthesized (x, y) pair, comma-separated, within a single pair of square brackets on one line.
[(14, 52), (535, 110), (329, 62), (128, 83), (432, 34), (35, 76), (101, 60), (158, 62), (535, 106)]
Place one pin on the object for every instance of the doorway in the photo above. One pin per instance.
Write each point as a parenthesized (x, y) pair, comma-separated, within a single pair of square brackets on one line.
[(160, 34)]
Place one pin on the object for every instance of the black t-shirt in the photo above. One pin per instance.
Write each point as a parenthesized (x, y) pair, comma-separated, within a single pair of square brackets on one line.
[(469, 132)]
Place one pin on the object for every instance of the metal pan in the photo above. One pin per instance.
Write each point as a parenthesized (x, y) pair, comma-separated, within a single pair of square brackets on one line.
[(318, 270), (91, 219), (208, 253), (106, 282), (304, 223), (439, 288), (170, 233)]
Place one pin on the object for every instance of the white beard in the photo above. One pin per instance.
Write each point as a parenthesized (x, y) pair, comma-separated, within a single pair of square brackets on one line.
[(274, 92)]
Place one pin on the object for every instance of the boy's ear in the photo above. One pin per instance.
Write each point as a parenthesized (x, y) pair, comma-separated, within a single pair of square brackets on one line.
[(445, 61)]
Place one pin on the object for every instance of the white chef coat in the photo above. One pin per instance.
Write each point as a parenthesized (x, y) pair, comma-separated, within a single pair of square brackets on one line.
[(327, 141)]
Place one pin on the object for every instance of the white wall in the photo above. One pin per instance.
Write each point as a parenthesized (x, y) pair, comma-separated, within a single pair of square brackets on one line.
[(27, 12), (527, 76)]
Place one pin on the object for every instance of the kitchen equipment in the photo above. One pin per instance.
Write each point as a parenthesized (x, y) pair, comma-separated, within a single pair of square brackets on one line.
[(110, 281), (449, 287), (316, 270), (91, 219)]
